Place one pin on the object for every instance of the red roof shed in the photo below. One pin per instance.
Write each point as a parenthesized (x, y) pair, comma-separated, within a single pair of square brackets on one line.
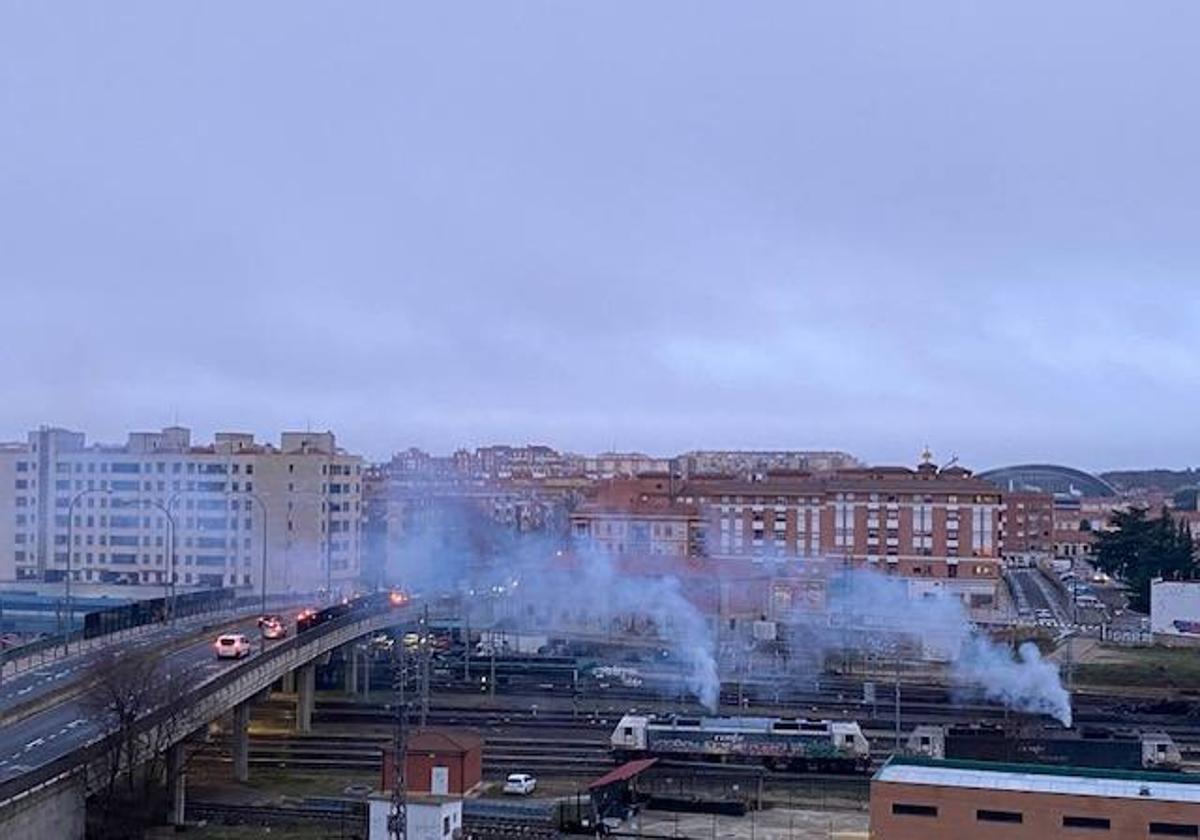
[(440, 761)]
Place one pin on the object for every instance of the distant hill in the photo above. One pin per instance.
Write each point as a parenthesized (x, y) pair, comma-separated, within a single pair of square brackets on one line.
[(1168, 481)]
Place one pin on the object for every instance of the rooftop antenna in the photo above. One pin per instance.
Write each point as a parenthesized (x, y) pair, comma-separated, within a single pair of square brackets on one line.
[(953, 460)]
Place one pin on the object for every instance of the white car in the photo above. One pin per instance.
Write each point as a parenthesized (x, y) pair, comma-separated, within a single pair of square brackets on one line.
[(232, 646), (274, 630), (521, 784)]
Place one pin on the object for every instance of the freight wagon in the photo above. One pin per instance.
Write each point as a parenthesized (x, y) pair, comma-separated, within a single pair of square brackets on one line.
[(1070, 748), (775, 743)]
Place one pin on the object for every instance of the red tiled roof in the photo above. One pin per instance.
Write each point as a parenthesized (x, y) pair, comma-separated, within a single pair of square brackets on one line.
[(443, 740), (624, 772)]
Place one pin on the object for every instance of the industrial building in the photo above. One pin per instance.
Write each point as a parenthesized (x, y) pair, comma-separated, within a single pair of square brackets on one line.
[(928, 799)]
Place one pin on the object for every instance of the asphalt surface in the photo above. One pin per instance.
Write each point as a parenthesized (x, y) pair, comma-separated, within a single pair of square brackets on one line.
[(55, 675), (1035, 595), (68, 726)]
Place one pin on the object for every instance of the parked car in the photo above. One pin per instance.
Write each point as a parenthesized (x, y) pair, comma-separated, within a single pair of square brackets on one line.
[(382, 642), (521, 784), (232, 646)]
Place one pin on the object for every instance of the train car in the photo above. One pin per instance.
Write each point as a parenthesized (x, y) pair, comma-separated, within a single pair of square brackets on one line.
[(1072, 748), (775, 743)]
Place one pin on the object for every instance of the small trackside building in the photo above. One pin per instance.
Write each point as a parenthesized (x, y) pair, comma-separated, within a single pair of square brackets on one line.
[(928, 799), (440, 762)]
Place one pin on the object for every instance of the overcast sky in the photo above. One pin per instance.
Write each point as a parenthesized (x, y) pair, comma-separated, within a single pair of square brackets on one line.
[(644, 225)]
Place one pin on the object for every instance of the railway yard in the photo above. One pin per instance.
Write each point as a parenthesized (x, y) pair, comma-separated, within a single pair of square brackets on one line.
[(555, 719)]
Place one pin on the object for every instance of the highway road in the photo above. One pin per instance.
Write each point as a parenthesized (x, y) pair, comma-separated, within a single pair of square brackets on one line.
[(57, 674), (48, 735)]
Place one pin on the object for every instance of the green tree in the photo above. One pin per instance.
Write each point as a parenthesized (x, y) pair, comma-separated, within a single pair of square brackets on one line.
[(1139, 549)]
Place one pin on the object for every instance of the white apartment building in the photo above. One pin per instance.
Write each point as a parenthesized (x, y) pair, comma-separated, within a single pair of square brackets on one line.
[(115, 506)]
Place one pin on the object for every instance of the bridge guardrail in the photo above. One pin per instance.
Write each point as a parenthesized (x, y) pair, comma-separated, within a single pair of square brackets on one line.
[(195, 699), (80, 640)]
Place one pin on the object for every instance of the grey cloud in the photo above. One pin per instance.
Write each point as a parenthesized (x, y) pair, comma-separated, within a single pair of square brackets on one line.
[(652, 226)]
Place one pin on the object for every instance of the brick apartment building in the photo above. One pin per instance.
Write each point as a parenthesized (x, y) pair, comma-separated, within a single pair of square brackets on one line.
[(1027, 525), (225, 498), (941, 529), (417, 506)]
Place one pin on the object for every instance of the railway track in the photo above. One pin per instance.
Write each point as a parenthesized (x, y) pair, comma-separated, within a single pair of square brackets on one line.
[(878, 719), (231, 814), (322, 752), (549, 757)]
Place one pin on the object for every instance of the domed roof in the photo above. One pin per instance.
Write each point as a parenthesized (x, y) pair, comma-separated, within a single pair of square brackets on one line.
[(1048, 478)]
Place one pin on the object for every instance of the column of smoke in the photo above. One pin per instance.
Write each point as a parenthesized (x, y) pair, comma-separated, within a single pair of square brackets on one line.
[(595, 594), (547, 596), (871, 611)]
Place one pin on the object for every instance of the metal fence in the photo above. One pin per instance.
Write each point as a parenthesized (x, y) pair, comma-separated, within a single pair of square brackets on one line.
[(154, 610)]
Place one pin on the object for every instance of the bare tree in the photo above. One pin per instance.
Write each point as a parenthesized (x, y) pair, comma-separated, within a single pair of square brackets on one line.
[(136, 699)]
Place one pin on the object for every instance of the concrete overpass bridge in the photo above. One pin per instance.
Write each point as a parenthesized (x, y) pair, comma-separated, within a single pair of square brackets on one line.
[(51, 762)]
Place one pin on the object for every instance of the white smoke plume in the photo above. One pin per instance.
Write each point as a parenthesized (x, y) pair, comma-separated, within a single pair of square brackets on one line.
[(534, 582), (871, 612), (618, 598), (1028, 683)]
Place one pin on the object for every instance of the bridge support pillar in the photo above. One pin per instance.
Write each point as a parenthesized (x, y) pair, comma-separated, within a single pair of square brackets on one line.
[(305, 689), (241, 742), (351, 669), (176, 784), (288, 683)]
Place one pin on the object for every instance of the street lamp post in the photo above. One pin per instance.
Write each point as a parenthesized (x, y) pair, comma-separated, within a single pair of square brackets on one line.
[(174, 550), (71, 550), (169, 585), (262, 506)]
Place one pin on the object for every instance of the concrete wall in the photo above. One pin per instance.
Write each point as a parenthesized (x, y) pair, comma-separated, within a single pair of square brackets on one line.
[(56, 811)]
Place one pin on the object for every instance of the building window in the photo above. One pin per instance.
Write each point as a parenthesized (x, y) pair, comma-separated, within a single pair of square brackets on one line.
[(998, 816), (1166, 829), (905, 809), (1100, 823)]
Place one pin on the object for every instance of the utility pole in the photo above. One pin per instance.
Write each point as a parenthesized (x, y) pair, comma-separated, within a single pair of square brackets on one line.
[(426, 657), (897, 700), (467, 644), (398, 819), (492, 675)]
